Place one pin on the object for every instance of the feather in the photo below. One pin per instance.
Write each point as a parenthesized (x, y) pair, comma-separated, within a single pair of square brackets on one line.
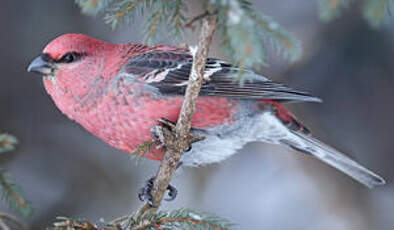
[(271, 129), (337, 160), (168, 71)]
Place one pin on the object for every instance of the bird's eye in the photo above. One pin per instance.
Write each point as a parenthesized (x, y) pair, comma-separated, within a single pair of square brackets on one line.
[(69, 57)]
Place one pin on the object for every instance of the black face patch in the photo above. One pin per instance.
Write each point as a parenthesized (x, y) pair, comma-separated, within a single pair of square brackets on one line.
[(69, 57)]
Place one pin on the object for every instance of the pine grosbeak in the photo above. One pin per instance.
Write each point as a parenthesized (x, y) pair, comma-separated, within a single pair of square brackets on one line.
[(119, 91)]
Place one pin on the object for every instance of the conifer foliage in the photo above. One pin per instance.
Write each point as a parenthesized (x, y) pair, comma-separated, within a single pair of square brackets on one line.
[(11, 193), (374, 11), (244, 31), (177, 219)]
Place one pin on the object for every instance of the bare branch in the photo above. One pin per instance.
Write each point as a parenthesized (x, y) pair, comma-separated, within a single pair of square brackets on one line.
[(176, 143), (199, 17), (196, 18)]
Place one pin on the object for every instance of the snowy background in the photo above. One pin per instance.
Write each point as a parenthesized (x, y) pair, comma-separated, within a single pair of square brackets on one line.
[(65, 171)]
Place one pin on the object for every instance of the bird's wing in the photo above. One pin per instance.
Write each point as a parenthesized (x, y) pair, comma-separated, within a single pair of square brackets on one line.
[(168, 71)]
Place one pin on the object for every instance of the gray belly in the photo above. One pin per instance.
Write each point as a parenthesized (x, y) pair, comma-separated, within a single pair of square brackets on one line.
[(223, 141)]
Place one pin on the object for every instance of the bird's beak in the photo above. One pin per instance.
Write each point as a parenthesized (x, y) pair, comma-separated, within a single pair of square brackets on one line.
[(41, 65)]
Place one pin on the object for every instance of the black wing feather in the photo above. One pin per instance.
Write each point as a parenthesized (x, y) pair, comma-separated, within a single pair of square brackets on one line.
[(168, 71)]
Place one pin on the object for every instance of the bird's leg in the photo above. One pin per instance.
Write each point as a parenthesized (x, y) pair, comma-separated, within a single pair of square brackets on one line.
[(159, 132), (145, 193)]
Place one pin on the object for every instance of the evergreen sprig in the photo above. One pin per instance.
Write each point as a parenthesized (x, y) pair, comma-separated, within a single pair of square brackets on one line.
[(182, 219), (9, 190), (177, 219), (331, 9), (245, 32), (190, 219), (374, 11), (143, 150), (124, 11), (167, 13), (92, 7), (7, 142), (13, 195)]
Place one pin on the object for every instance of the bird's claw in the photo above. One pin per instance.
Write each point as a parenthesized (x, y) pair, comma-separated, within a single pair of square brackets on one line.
[(145, 193), (159, 136), (172, 193), (167, 123), (158, 132)]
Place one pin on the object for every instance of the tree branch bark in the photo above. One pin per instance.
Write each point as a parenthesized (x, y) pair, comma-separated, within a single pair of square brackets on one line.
[(177, 143)]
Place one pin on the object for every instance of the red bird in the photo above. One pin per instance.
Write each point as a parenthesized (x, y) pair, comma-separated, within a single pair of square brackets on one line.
[(119, 91)]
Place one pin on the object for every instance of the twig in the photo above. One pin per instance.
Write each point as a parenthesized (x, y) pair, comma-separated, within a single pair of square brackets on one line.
[(163, 221), (199, 17), (119, 220), (176, 144), (12, 193)]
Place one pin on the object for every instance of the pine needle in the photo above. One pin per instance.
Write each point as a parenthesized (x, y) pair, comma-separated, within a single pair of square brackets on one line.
[(375, 11), (92, 7), (331, 9), (13, 195), (7, 142)]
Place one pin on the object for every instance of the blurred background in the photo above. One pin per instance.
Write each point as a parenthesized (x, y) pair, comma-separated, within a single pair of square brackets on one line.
[(65, 171)]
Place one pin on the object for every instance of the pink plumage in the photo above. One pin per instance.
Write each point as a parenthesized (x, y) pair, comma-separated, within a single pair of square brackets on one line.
[(118, 91)]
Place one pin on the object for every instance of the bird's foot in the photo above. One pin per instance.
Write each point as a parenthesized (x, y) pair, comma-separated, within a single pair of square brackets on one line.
[(145, 193), (167, 123), (158, 133)]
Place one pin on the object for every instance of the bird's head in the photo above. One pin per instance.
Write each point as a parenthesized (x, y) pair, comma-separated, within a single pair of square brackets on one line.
[(72, 62), (67, 53)]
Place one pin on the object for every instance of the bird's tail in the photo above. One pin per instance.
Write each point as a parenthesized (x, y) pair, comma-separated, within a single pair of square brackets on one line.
[(336, 159)]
